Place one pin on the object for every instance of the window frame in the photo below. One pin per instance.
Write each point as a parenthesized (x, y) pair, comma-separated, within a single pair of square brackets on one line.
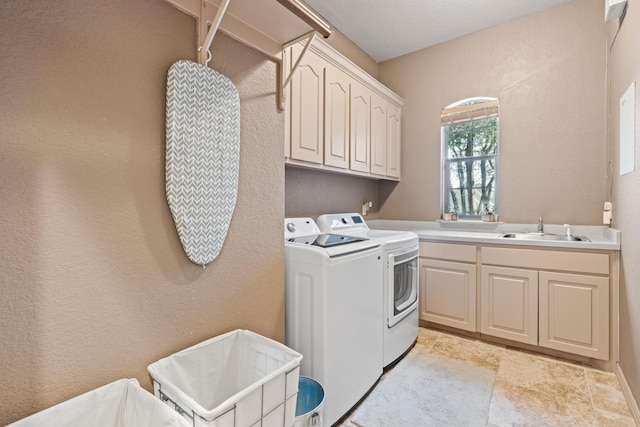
[(445, 161)]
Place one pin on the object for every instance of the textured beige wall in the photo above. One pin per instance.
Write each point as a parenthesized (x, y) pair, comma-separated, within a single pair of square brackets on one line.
[(310, 193), (95, 285), (548, 71), (624, 68)]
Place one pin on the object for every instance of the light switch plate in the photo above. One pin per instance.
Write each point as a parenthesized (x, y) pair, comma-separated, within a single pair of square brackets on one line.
[(613, 9)]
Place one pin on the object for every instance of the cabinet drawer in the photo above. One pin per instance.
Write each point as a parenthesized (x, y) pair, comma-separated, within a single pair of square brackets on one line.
[(584, 262), (448, 251)]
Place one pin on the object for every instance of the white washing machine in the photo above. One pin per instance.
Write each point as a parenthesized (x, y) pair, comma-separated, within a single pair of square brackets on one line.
[(333, 311), (400, 278)]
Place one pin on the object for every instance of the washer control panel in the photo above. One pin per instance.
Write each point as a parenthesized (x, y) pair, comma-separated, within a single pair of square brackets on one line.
[(336, 222), (297, 227)]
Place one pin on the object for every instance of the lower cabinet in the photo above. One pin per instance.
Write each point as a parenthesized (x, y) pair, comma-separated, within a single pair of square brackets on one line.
[(559, 310), (448, 293), (574, 313), (554, 299), (509, 304), (448, 285)]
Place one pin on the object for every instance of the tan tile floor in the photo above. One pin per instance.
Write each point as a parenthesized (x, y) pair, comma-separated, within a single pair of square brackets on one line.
[(535, 390)]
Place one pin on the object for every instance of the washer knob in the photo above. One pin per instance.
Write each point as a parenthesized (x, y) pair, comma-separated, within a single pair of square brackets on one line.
[(291, 227)]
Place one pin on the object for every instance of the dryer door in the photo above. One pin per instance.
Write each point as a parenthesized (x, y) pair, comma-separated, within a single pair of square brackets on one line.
[(403, 281)]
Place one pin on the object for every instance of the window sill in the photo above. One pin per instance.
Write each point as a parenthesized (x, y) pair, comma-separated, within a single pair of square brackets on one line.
[(475, 224)]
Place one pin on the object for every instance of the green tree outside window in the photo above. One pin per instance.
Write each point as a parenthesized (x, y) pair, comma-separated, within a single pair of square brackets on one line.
[(470, 149)]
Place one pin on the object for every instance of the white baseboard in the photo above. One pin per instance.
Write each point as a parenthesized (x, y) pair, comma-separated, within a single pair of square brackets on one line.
[(633, 405)]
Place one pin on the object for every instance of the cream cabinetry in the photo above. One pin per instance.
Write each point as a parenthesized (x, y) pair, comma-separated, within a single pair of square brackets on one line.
[(525, 298), (386, 119), (509, 303), (336, 118), (448, 285), (360, 120), (306, 136), (394, 119), (378, 136), (339, 118), (555, 299), (574, 313)]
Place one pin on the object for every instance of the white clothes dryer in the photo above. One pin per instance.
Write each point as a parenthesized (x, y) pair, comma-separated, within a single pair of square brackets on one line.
[(333, 311), (400, 277)]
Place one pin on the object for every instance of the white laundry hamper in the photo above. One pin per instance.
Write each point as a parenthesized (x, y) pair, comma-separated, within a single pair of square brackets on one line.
[(122, 403), (238, 379)]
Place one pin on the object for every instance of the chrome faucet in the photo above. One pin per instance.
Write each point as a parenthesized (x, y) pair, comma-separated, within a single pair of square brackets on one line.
[(540, 225)]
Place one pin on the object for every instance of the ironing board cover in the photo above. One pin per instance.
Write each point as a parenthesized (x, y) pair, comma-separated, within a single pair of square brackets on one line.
[(202, 157)]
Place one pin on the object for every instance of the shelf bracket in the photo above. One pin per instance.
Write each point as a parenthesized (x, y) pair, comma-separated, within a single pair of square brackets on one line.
[(202, 11)]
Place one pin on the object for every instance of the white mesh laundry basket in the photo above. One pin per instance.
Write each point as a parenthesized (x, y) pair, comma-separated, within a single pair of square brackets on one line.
[(239, 379), (122, 403)]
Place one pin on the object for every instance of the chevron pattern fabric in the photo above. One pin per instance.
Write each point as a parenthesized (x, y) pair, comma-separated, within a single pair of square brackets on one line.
[(202, 157)]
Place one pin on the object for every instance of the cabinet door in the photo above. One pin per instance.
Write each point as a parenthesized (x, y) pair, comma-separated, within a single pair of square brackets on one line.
[(378, 136), (448, 293), (394, 121), (574, 314), (336, 118), (360, 130), (307, 108), (509, 304)]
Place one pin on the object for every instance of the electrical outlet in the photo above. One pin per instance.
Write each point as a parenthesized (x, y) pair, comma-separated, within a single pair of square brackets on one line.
[(365, 207)]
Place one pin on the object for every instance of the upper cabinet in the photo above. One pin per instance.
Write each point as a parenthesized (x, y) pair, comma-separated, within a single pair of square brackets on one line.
[(360, 122), (306, 112), (338, 117), (378, 135), (394, 114), (385, 137)]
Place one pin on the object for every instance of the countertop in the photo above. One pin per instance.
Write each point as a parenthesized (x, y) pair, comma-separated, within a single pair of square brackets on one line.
[(602, 237)]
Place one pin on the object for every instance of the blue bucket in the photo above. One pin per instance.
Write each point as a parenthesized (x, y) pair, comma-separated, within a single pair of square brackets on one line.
[(309, 403)]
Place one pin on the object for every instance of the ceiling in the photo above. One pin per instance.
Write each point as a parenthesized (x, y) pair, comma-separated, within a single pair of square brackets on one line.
[(385, 29)]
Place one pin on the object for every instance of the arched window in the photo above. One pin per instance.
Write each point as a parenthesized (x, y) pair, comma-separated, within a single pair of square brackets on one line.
[(469, 157)]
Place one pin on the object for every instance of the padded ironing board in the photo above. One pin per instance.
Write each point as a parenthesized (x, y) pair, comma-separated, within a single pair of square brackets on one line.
[(202, 157)]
